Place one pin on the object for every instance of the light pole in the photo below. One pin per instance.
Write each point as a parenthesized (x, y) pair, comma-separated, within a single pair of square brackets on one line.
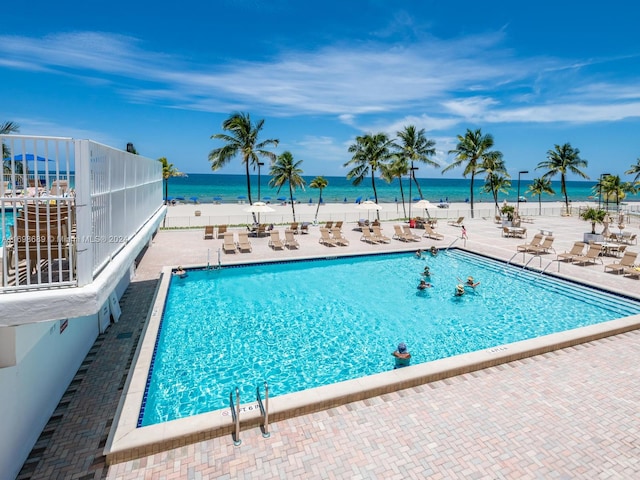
[(411, 170), (260, 164), (518, 202), (602, 175)]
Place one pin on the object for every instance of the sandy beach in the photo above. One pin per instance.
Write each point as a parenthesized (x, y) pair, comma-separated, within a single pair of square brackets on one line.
[(195, 215)]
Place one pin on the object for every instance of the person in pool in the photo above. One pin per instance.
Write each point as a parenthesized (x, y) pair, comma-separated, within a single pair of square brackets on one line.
[(433, 250), (471, 282), (459, 290), (419, 254), (427, 272), (180, 272), (423, 285), (402, 356)]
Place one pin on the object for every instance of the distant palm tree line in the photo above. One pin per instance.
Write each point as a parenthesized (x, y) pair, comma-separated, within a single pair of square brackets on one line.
[(396, 158), (393, 158)]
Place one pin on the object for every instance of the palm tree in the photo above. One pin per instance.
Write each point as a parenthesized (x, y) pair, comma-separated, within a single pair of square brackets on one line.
[(563, 159), (398, 168), (242, 139), (538, 187), (370, 152), (168, 171), (495, 183), (5, 129), (497, 179), (473, 148), (635, 169), (321, 183), (612, 188), (414, 146), (285, 170)]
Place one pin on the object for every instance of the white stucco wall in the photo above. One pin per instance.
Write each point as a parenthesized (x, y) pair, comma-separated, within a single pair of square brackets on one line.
[(31, 390)]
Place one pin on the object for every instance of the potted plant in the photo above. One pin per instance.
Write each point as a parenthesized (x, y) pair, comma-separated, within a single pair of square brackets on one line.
[(509, 211), (593, 215)]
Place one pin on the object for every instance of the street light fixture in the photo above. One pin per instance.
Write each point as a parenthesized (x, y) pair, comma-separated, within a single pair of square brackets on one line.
[(411, 170), (518, 202), (260, 164), (602, 175)]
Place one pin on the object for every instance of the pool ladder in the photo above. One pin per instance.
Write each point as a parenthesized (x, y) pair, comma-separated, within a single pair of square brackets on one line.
[(264, 411)]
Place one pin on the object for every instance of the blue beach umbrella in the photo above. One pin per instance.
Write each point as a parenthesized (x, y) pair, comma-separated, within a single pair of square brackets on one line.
[(358, 200), (194, 199), (180, 198), (282, 199), (266, 198), (345, 199), (311, 200), (217, 198)]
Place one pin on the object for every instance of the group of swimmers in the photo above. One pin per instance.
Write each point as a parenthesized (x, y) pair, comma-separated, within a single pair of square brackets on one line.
[(424, 282)]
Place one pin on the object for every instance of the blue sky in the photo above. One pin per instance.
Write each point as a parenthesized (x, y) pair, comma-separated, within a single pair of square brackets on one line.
[(532, 74)]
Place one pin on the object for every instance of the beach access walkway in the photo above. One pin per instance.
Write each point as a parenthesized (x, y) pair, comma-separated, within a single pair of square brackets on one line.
[(571, 413)]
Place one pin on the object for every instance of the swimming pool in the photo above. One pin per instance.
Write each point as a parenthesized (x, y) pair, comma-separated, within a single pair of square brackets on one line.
[(304, 324), (8, 222)]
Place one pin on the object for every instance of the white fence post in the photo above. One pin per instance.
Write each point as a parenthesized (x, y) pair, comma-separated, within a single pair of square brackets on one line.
[(84, 244)]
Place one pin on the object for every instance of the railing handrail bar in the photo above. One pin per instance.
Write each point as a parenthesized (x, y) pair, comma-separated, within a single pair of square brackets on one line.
[(264, 409), (235, 415)]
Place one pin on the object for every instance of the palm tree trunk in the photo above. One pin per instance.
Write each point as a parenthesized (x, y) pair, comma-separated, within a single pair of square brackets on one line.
[(404, 210), (375, 192), (246, 164), (415, 180), (564, 191), (293, 208), (318, 207), (540, 204), (473, 174)]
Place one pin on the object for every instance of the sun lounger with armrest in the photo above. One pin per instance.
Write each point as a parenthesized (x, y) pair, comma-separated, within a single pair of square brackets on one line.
[(290, 242), (409, 234), (535, 242), (378, 236), (274, 240), (339, 238), (367, 236), (431, 233), (576, 251), (592, 255), (325, 238), (228, 244), (628, 260)]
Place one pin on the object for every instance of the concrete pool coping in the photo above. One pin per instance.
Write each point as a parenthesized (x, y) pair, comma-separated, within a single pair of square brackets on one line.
[(127, 442)]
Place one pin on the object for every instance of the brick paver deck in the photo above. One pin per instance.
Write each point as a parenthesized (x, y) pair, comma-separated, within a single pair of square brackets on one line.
[(573, 413)]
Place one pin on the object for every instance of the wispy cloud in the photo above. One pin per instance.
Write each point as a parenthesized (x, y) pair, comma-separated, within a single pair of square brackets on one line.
[(475, 78)]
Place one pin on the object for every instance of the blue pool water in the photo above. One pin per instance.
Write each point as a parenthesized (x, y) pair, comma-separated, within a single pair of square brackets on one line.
[(8, 221), (300, 325)]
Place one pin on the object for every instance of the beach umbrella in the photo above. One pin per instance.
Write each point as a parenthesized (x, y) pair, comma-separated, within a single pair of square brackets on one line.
[(194, 199), (259, 207), (358, 200), (180, 198), (368, 205), (266, 198), (282, 199), (422, 204)]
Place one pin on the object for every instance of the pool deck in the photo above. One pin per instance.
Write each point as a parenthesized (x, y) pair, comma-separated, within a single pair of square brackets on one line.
[(571, 413)]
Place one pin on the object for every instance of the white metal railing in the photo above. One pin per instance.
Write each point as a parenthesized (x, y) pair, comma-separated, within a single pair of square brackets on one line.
[(67, 207)]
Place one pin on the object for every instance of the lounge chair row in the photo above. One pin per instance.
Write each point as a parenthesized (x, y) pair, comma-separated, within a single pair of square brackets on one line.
[(538, 245), (333, 237), (229, 245), (277, 243)]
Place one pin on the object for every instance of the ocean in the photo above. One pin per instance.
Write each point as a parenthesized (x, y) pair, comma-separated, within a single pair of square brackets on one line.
[(213, 187)]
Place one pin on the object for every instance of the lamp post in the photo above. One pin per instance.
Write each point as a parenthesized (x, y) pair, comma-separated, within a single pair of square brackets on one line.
[(411, 170), (518, 202), (260, 164), (602, 175)]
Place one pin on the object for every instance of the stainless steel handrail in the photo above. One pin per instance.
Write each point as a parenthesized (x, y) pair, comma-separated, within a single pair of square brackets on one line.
[(264, 410), (235, 415)]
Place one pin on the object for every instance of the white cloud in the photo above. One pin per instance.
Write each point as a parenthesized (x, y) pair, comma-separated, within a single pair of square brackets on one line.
[(431, 83)]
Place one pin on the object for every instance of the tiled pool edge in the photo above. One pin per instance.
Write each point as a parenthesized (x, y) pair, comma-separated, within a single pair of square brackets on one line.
[(126, 442)]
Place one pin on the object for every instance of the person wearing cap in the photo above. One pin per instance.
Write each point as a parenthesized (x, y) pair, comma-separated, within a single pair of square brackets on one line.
[(459, 290), (402, 356), (472, 283)]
